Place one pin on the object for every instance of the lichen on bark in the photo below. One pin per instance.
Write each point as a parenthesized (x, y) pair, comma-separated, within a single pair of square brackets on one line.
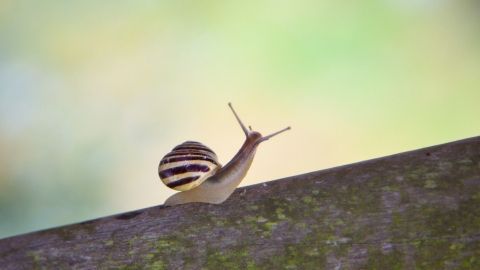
[(414, 210)]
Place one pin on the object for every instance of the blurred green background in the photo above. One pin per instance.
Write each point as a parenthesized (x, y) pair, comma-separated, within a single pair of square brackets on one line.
[(94, 93)]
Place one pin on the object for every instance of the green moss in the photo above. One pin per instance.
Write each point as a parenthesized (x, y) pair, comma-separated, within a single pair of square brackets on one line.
[(36, 259), (132, 241), (138, 266), (261, 219), (149, 256), (161, 244), (133, 266), (156, 265), (301, 225), (463, 220), (280, 213), (307, 199), (432, 221), (235, 259), (378, 260), (436, 254), (307, 254), (109, 243), (128, 267), (270, 226), (434, 250), (319, 222), (250, 219), (470, 262), (430, 184), (161, 250)]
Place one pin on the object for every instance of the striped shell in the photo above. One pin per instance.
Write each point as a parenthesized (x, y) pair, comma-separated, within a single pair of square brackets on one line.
[(187, 166)]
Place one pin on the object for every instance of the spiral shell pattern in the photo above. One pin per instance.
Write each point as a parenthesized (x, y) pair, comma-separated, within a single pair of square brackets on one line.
[(187, 166)]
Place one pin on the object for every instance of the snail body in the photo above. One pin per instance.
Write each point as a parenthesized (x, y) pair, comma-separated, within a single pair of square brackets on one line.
[(193, 169)]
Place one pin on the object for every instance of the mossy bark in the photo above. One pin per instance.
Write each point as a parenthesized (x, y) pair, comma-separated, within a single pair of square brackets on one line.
[(415, 210)]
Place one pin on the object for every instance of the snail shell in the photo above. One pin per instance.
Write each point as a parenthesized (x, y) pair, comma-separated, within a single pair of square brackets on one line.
[(187, 166)]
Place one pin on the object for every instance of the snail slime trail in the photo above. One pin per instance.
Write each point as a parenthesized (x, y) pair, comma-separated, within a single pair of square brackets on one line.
[(193, 169)]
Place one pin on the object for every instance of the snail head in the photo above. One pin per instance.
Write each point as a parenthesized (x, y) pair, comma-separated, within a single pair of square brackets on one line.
[(252, 134)]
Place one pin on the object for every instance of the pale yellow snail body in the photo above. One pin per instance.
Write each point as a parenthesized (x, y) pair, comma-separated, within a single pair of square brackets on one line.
[(193, 169)]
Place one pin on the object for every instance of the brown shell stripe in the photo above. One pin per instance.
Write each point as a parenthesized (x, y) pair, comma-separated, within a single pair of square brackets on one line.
[(187, 165), (198, 146), (183, 181), (194, 144), (188, 147), (191, 168), (184, 158), (189, 152), (189, 172)]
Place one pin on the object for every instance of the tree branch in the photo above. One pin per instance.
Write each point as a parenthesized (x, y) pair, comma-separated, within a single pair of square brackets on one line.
[(418, 209)]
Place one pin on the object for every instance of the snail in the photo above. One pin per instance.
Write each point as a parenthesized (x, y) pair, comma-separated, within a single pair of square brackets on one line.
[(193, 169)]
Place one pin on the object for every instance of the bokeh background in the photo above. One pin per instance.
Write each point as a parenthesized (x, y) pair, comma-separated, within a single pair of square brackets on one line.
[(94, 93)]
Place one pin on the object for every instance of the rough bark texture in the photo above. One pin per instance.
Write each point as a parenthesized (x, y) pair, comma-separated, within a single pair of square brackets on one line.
[(415, 210)]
